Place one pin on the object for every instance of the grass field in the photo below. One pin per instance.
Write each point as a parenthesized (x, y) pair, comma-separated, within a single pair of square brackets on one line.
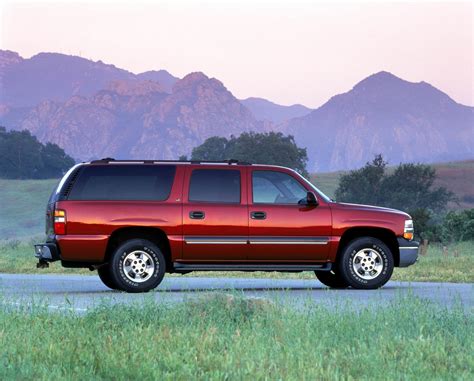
[(22, 206), (455, 264), (225, 337)]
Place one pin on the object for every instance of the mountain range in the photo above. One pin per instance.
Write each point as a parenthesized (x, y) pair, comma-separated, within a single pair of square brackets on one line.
[(93, 109)]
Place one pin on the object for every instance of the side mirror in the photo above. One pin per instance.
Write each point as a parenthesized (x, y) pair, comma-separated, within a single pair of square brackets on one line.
[(311, 199)]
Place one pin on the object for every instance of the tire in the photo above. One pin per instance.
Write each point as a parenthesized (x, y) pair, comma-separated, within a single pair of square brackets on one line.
[(137, 265), (331, 279), (366, 263), (105, 276)]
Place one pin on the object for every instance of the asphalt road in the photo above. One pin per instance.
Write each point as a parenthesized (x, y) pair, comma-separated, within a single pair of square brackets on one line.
[(79, 293)]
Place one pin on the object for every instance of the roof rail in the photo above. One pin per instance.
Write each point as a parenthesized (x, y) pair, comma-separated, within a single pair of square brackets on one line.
[(230, 161)]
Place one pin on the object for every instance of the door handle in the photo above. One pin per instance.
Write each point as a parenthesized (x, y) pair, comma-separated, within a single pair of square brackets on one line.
[(197, 215), (258, 215)]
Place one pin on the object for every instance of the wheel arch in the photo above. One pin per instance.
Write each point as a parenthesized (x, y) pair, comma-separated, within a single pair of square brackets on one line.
[(387, 236), (155, 235)]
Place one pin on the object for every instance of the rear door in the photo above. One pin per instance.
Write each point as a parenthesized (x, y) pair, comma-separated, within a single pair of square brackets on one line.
[(280, 229), (215, 210)]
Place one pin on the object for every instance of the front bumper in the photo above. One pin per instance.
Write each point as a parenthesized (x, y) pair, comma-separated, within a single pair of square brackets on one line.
[(408, 252), (47, 252)]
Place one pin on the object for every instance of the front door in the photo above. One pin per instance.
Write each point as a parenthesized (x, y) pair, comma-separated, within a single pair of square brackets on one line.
[(281, 229), (215, 210)]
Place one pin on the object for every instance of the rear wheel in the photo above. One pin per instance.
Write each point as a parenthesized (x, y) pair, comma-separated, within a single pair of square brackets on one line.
[(366, 263), (331, 279), (105, 277), (137, 265)]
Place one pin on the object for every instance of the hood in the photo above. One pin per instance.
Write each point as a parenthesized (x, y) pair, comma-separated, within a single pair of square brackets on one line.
[(370, 208)]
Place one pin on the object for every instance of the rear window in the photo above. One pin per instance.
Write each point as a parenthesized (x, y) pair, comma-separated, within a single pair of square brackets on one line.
[(214, 185), (124, 182)]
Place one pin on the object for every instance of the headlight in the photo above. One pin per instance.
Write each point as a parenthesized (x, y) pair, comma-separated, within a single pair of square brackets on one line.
[(408, 232)]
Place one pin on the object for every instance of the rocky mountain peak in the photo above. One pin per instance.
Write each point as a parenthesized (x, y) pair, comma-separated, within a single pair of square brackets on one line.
[(135, 88), (7, 58)]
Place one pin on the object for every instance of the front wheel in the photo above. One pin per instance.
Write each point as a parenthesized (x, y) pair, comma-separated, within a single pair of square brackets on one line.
[(366, 263), (137, 265)]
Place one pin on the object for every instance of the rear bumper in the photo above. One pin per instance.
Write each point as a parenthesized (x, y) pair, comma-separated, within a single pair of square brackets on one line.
[(408, 252), (48, 252)]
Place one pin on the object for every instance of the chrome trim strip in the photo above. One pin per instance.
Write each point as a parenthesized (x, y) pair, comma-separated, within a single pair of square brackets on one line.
[(288, 243), (408, 247), (288, 240), (216, 240), (256, 240)]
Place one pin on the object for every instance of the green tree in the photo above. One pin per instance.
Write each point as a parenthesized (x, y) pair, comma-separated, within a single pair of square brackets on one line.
[(22, 156), (259, 148), (363, 186), (458, 226), (213, 149), (410, 187)]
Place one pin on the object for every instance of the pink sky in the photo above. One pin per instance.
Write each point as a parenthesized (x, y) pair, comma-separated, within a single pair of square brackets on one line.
[(286, 51)]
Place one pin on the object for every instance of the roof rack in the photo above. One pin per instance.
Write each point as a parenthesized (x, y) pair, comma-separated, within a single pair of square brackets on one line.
[(229, 162)]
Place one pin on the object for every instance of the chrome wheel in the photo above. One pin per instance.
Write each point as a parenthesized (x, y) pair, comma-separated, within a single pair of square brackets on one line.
[(367, 263), (138, 266)]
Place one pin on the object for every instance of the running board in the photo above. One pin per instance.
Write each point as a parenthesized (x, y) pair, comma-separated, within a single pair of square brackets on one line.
[(252, 267)]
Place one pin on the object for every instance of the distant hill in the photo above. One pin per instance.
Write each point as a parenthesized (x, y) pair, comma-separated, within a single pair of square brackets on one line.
[(164, 78), (272, 112), (57, 77), (93, 109), (137, 119), (405, 121)]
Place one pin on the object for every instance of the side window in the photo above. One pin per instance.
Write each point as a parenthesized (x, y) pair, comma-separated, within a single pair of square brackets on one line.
[(271, 187), (124, 182), (215, 185)]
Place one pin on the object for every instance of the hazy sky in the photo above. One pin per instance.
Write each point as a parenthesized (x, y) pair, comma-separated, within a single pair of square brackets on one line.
[(286, 51)]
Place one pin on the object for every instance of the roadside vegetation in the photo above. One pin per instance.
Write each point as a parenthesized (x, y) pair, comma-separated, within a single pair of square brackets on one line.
[(452, 263), (229, 337)]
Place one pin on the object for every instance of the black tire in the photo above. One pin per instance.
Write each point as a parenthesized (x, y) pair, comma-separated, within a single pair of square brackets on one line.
[(126, 256), (105, 277), (378, 263), (331, 279)]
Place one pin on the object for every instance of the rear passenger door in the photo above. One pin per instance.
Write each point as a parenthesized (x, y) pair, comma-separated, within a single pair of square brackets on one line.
[(215, 222)]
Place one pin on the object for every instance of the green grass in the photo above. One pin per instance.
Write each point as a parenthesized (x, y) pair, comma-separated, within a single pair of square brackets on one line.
[(226, 337), (23, 206), (327, 182), (455, 264)]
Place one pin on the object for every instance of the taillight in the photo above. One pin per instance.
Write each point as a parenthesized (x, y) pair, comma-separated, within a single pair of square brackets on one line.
[(59, 221)]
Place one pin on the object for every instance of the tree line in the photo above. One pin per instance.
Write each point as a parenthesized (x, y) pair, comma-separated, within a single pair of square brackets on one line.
[(22, 156)]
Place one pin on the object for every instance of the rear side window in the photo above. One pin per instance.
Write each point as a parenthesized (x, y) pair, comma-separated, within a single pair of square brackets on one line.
[(215, 185), (124, 182)]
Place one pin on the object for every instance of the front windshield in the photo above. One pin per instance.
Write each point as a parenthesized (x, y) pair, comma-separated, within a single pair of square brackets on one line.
[(318, 192)]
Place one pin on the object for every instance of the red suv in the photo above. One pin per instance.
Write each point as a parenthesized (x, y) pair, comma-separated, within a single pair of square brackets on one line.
[(132, 221)]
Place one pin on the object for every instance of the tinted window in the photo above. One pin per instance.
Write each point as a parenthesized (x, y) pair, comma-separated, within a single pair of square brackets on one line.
[(124, 182), (270, 187), (214, 185)]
